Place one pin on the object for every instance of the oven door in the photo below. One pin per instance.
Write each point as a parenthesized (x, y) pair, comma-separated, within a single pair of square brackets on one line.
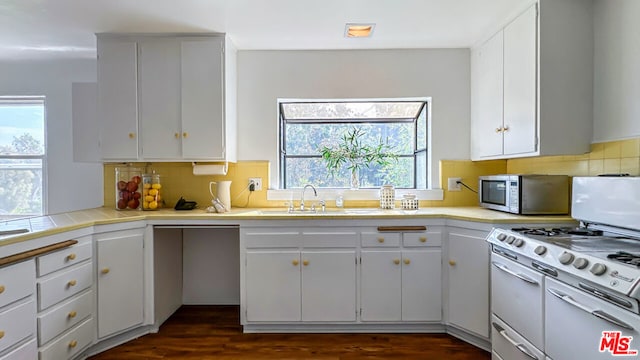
[(576, 324), (517, 298), (508, 344)]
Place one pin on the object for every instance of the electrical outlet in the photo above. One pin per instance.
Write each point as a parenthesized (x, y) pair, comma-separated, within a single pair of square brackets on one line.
[(257, 182), (453, 184)]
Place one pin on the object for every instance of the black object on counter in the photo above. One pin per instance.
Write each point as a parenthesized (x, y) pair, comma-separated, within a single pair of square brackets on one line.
[(183, 204)]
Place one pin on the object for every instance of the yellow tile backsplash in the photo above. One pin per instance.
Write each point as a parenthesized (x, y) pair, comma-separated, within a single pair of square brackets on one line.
[(178, 180)]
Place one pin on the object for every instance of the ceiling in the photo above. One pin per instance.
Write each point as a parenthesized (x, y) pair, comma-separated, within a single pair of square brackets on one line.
[(36, 29)]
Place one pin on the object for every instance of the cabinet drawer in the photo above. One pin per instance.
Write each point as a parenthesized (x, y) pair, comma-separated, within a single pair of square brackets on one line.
[(344, 239), (268, 239), (63, 317), (421, 239), (16, 324), (25, 352), (63, 285), (63, 258), (70, 343), (378, 239), (17, 282)]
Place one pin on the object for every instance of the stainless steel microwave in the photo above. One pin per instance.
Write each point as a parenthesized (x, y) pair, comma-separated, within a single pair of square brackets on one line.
[(525, 194)]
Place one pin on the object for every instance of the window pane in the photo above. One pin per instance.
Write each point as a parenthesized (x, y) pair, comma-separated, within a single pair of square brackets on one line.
[(351, 110), (20, 187), (22, 128), (421, 124), (421, 170)]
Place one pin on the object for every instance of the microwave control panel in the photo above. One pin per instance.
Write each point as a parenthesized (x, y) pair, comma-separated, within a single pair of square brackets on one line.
[(514, 197)]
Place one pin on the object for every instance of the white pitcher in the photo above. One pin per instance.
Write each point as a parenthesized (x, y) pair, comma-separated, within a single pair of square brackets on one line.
[(223, 192)]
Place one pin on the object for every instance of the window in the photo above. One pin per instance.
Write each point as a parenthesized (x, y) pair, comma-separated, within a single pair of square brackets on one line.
[(306, 126), (22, 156)]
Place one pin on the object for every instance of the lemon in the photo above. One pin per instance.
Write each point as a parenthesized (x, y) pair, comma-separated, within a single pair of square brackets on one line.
[(146, 186), (149, 198), (145, 205), (153, 205), (153, 192), (156, 186)]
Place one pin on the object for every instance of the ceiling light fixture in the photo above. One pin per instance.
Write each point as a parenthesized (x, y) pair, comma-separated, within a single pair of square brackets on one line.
[(358, 30)]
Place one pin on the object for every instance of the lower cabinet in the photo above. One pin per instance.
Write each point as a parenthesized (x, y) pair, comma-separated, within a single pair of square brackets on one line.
[(468, 281), (18, 311), (120, 290)]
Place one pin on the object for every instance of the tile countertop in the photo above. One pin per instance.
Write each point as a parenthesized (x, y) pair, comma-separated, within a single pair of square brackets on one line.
[(57, 223)]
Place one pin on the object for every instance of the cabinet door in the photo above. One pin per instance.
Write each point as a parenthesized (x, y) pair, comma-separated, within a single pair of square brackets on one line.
[(203, 130), (117, 99), (329, 286), (160, 98), (468, 267), (520, 84), (272, 280), (120, 283), (381, 286), (486, 98), (422, 285)]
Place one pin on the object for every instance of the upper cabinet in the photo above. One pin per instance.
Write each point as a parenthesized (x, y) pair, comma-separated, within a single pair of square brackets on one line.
[(532, 84), (166, 98)]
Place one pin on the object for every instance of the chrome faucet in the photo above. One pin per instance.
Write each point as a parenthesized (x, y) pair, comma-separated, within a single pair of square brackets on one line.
[(315, 193)]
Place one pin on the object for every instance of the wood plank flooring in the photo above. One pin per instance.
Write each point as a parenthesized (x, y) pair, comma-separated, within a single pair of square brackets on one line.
[(214, 332)]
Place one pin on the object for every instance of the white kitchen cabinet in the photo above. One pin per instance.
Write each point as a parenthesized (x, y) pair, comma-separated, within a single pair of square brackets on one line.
[(120, 288), (178, 94), (468, 281), (532, 84), (17, 307)]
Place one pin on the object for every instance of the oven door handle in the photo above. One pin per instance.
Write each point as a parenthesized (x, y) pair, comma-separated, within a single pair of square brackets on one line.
[(521, 347), (597, 313), (513, 273)]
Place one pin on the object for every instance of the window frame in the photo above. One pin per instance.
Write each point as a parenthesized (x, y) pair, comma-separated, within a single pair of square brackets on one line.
[(41, 101), (425, 108)]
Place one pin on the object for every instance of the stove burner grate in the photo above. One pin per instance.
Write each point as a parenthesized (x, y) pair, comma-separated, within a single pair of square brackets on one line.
[(558, 231), (626, 258)]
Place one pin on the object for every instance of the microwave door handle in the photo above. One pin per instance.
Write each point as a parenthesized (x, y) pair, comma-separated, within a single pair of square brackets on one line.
[(513, 273), (597, 313)]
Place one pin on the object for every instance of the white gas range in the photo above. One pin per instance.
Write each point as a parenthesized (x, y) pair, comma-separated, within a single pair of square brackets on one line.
[(565, 293)]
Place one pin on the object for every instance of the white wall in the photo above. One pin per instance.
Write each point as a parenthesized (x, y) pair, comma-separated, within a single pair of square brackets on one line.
[(264, 76), (616, 70), (71, 186)]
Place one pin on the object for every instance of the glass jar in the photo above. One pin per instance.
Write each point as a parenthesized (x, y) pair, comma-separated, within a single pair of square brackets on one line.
[(151, 192), (387, 197), (409, 202), (128, 186)]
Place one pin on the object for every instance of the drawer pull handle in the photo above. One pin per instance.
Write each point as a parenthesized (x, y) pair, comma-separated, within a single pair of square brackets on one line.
[(452, 263), (396, 261), (1, 334), (73, 343), (72, 314), (423, 239), (71, 256), (407, 261), (132, 135), (305, 262), (105, 270), (381, 240), (72, 283), (1, 289), (295, 262)]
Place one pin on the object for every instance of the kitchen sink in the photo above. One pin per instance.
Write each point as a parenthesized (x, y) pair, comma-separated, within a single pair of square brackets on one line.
[(13, 232), (355, 211)]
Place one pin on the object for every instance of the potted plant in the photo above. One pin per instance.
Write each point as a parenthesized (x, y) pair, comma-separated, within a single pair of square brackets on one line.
[(355, 154)]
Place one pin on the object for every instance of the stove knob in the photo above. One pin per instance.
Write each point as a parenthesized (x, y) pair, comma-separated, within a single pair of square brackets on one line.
[(518, 242), (598, 269), (501, 237), (540, 250), (510, 239), (566, 258), (580, 263)]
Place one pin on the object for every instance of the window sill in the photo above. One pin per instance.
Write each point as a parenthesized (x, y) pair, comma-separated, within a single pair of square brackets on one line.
[(347, 194)]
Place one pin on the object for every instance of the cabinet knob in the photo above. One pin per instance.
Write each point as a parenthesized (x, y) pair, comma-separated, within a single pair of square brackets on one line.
[(71, 256), (132, 136), (73, 343), (185, 134), (452, 263), (423, 239), (105, 270), (407, 261), (499, 130), (305, 262), (1, 289), (72, 314), (381, 240), (1, 334), (72, 283), (396, 261), (295, 262), (506, 128)]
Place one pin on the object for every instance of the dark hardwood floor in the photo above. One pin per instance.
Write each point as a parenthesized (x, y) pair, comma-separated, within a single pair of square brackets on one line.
[(214, 332)]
